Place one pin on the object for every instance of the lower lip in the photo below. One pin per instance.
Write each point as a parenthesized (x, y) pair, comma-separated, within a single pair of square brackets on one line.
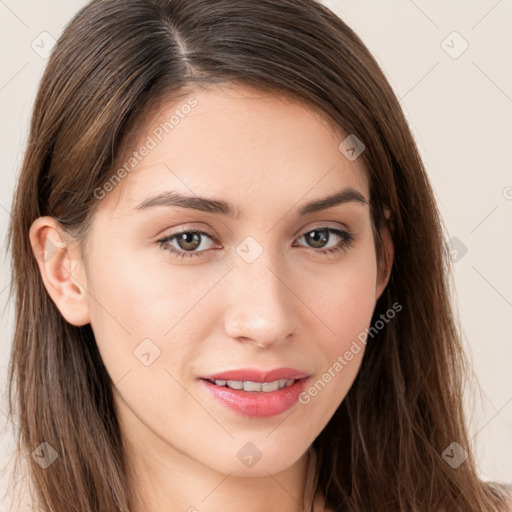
[(257, 404)]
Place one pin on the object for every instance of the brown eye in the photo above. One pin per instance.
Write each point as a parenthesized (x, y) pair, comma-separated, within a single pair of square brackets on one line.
[(188, 241), (185, 243), (318, 238)]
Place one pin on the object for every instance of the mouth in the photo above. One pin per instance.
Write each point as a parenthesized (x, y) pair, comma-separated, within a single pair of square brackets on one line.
[(255, 399)]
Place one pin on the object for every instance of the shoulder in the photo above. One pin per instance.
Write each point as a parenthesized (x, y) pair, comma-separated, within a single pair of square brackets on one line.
[(508, 503), (504, 490), (509, 499)]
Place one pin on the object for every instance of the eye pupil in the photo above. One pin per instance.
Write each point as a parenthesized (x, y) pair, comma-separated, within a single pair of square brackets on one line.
[(185, 237), (318, 234)]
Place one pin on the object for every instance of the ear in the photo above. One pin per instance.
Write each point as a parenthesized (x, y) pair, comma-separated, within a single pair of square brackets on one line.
[(61, 268), (386, 263)]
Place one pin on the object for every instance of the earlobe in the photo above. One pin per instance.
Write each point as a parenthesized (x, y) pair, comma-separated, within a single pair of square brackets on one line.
[(61, 269)]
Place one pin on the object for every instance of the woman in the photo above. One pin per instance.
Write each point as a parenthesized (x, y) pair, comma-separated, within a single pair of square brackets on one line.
[(231, 281)]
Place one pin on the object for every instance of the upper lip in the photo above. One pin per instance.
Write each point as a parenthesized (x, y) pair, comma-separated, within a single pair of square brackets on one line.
[(256, 375)]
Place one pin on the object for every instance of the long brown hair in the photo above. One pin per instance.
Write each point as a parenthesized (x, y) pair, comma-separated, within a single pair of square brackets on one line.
[(382, 449)]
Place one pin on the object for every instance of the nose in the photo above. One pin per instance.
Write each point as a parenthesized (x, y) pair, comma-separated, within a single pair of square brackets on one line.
[(261, 304)]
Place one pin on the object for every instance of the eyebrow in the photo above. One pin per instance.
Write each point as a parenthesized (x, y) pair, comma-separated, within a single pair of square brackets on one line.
[(216, 206)]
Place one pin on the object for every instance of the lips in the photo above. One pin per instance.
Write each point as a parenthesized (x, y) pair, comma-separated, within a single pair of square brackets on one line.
[(256, 404), (256, 375)]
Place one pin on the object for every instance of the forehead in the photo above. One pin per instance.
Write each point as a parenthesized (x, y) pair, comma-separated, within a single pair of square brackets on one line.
[(238, 143)]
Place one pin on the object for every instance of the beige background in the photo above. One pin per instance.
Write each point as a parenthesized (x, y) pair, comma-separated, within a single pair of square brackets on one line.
[(459, 106)]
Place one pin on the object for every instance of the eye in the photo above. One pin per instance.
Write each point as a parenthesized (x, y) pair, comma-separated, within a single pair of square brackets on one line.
[(189, 242), (318, 237)]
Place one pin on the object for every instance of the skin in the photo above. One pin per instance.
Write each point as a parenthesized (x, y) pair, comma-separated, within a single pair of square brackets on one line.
[(290, 307)]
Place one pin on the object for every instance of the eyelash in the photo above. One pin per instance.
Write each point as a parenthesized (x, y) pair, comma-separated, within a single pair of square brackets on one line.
[(346, 242)]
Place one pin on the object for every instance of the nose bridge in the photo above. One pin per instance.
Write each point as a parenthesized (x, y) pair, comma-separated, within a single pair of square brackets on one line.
[(260, 304)]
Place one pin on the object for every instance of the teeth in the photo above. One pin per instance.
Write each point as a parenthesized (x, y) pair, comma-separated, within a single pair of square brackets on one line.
[(251, 386), (235, 384), (248, 385)]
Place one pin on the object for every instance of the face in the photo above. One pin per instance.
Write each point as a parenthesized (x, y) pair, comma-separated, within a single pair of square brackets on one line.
[(181, 291)]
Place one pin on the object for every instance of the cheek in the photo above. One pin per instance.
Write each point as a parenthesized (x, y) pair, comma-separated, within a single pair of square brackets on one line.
[(344, 301), (343, 297), (137, 308)]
